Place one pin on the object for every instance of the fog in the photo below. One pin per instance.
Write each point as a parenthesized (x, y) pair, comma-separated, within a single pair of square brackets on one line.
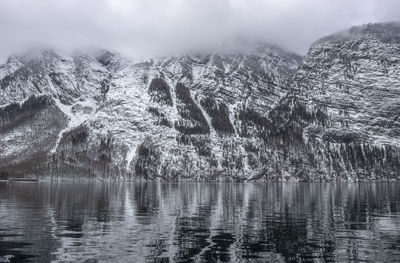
[(158, 27)]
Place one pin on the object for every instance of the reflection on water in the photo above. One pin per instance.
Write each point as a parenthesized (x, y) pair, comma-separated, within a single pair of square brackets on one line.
[(199, 222)]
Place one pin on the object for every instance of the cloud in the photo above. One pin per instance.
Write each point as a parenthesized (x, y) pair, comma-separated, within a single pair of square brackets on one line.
[(145, 27)]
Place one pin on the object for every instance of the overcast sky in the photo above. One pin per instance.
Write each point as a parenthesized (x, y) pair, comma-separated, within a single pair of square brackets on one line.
[(143, 27)]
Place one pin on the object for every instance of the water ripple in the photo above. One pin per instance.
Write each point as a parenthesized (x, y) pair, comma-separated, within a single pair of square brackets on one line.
[(199, 222)]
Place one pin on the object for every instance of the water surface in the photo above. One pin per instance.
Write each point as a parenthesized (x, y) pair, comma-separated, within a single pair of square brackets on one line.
[(199, 222)]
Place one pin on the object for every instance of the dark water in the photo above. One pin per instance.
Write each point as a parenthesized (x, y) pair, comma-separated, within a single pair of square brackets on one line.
[(198, 222)]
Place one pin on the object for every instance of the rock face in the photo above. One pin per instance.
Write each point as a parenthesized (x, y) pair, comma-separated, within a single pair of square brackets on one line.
[(261, 114), (344, 106)]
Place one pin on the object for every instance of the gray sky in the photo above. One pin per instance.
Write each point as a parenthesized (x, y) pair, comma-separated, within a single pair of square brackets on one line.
[(145, 27)]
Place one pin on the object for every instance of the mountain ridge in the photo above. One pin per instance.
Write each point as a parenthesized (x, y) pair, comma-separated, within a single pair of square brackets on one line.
[(264, 115)]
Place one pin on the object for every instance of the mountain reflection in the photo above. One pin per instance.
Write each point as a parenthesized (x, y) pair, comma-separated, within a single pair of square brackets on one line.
[(199, 222)]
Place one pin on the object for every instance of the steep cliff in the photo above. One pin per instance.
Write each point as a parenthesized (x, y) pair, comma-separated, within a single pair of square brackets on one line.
[(343, 107)]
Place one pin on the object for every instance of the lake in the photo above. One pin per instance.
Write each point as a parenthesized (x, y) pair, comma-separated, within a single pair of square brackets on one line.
[(199, 222)]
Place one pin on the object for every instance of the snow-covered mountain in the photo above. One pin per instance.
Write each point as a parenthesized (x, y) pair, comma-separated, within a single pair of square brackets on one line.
[(262, 113), (343, 108)]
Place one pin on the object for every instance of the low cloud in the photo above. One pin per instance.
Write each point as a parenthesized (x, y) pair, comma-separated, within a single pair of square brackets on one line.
[(156, 27)]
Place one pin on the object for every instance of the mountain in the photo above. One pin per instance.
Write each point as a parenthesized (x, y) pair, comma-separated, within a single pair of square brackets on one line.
[(258, 114), (342, 111), (103, 115)]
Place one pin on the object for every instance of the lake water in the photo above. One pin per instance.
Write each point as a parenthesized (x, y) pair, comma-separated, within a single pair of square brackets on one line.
[(199, 222)]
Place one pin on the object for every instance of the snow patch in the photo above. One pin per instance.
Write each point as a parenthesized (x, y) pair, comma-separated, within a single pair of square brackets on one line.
[(76, 117)]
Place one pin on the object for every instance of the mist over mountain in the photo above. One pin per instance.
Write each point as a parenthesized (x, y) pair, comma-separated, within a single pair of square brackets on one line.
[(257, 112), (153, 28)]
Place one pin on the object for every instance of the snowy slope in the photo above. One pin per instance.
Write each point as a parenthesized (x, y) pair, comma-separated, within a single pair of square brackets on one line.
[(112, 109), (262, 113)]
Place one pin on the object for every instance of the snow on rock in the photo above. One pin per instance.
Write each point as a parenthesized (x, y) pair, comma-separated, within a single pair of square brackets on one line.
[(250, 114)]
